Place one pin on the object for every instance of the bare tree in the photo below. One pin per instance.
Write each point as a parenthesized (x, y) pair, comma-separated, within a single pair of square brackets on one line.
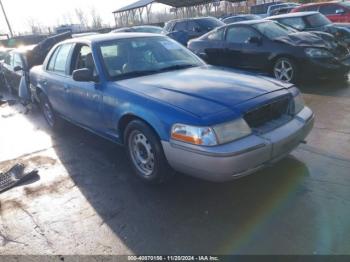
[(67, 18), (34, 26), (96, 20), (82, 18)]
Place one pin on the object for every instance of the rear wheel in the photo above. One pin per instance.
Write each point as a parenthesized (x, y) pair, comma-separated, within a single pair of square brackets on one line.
[(51, 118), (146, 153), (284, 69)]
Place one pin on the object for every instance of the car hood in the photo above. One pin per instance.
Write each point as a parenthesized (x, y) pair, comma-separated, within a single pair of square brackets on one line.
[(205, 90), (342, 25), (304, 39)]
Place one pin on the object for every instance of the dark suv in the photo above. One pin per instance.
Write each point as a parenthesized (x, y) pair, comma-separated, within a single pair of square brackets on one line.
[(182, 30)]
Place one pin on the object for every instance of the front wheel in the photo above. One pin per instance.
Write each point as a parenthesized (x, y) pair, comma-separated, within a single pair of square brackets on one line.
[(146, 153), (284, 69)]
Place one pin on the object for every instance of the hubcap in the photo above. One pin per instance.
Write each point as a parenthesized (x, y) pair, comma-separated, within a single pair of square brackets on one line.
[(48, 113), (141, 153), (283, 70)]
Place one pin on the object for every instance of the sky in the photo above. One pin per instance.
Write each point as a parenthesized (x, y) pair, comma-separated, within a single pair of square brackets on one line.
[(53, 12)]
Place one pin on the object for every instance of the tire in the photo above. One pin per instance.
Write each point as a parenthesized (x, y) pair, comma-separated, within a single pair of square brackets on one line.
[(285, 69), (50, 116), (146, 153)]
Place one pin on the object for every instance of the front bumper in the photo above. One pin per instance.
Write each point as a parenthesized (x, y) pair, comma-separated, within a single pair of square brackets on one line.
[(325, 67), (241, 157)]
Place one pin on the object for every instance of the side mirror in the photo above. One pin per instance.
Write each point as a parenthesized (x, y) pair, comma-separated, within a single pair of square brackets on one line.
[(17, 68), (83, 75), (204, 56), (254, 40), (339, 11)]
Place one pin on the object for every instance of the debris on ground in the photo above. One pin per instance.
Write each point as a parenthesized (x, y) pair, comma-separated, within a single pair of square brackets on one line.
[(15, 176)]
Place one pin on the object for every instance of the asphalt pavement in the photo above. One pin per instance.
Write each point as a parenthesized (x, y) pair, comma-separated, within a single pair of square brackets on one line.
[(87, 201)]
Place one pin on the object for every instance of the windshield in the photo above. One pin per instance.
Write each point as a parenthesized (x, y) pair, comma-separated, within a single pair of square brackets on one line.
[(317, 20), (133, 57), (273, 30)]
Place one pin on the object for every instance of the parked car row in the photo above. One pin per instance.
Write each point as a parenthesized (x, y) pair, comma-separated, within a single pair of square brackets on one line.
[(270, 47)]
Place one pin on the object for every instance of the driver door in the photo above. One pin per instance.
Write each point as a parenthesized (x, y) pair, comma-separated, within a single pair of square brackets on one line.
[(246, 48), (16, 76)]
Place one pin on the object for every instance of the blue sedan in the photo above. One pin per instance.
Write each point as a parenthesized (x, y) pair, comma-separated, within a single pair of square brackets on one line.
[(168, 108)]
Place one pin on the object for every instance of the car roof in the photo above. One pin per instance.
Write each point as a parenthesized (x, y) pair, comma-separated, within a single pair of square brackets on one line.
[(242, 15), (321, 3), (145, 26), (93, 39), (297, 14), (250, 22), (192, 18)]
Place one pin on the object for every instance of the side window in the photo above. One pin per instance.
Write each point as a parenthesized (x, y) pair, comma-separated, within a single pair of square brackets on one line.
[(9, 59), (329, 9), (192, 26), (52, 60), (295, 22), (217, 35), (310, 8), (84, 59), (17, 61), (61, 59), (239, 35), (180, 26)]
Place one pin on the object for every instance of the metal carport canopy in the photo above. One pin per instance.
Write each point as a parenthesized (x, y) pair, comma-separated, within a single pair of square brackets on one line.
[(173, 3)]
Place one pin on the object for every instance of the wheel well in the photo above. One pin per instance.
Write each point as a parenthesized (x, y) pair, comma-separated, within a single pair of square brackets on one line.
[(125, 120)]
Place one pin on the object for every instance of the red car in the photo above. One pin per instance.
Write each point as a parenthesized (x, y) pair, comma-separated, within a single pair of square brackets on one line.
[(337, 12)]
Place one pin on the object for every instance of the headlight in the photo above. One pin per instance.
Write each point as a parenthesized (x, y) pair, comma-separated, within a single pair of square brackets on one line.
[(317, 53), (231, 131), (211, 136), (204, 136), (298, 103)]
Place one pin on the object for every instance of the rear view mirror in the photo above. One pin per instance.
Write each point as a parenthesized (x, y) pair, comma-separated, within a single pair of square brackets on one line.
[(83, 75), (254, 40), (17, 68), (339, 11)]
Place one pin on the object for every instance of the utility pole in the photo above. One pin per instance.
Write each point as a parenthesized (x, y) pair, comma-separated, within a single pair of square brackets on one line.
[(7, 21)]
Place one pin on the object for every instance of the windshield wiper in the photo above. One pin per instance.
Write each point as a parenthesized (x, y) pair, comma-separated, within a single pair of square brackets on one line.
[(136, 74), (176, 67)]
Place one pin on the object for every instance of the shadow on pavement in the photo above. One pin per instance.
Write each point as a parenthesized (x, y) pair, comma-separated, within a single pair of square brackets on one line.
[(185, 216), (327, 87)]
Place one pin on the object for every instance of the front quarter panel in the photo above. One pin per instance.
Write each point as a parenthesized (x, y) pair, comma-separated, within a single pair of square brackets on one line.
[(119, 102)]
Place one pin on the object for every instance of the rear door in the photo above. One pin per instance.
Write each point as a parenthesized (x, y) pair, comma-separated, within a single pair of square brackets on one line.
[(213, 51), (55, 80)]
